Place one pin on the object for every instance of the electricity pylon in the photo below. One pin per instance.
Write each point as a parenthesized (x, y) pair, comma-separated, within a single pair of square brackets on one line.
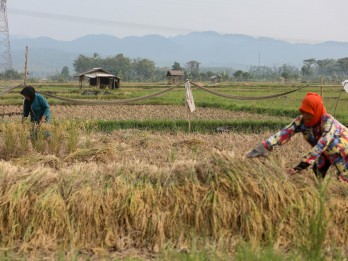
[(5, 49)]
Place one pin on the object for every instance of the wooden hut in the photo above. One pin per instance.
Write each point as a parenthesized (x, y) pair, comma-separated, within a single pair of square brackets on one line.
[(175, 76), (100, 78), (215, 79)]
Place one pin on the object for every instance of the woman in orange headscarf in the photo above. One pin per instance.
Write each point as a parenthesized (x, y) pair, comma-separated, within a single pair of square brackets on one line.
[(327, 136)]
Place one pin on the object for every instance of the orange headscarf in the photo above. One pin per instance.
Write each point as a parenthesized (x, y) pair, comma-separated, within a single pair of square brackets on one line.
[(313, 104)]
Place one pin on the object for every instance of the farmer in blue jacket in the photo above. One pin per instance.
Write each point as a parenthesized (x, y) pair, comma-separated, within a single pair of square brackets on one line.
[(37, 106)]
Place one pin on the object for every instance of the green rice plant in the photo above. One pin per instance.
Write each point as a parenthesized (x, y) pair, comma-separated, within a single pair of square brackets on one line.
[(73, 130), (89, 126), (72, 139), (314, 235), (55, 141), (16, 139), (23, 139), (246, 252), (39, 135), (198, 255), (47, 138), (172, 156), (63, 136), (204, 126), (10, 139)]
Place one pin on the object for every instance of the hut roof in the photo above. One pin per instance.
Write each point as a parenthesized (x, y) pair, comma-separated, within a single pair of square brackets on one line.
[(96, 72), (215, 77), (175, 73)]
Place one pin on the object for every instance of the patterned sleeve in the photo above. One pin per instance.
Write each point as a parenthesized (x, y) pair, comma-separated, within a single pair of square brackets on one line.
[(328, 130), (284, 135)]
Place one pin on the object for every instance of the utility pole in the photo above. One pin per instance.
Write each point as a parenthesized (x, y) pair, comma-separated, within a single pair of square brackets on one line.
[(26, 66), (5, 50), (259, 68)]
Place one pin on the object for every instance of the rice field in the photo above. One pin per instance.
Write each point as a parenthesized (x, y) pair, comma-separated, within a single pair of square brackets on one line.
[(160, 193), (138, 112)]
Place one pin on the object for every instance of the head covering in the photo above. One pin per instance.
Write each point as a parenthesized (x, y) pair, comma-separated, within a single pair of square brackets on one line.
[(29, 91), (313, 104)]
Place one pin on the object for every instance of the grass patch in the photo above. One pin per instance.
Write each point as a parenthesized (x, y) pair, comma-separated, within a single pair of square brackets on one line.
[(204, 126)]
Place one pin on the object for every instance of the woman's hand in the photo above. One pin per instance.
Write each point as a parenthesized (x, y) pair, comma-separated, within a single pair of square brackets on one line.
[(258, 151), (43, 119), (301, 166), (292, 171)]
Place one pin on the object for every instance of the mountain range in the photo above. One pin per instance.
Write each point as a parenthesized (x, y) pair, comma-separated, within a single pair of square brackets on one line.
[(210, 49)]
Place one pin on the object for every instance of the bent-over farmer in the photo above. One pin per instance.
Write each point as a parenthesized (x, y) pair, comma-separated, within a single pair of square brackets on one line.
[(36, 106), (326, 135)]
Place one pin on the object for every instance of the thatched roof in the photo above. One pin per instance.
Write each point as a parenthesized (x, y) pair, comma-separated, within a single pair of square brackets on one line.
[(175, 73), (97, 72)]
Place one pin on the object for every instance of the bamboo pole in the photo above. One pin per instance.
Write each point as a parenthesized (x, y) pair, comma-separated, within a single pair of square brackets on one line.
[(321, 86), (188, 118), (26, 66)]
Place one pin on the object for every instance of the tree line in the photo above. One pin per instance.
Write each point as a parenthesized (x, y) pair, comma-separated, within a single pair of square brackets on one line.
[(312, 71), (145, 70), (127, 69)]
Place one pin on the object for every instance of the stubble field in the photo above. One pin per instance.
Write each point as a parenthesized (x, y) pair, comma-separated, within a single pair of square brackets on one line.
[(161, 193)]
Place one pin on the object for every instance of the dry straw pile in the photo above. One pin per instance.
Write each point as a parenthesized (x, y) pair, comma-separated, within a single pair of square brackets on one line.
[(137, 205), (143, 190)]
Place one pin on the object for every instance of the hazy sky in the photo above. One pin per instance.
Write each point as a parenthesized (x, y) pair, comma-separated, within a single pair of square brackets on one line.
[(309, 21)]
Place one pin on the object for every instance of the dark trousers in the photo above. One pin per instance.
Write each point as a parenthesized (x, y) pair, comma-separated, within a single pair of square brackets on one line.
[(320, 172)]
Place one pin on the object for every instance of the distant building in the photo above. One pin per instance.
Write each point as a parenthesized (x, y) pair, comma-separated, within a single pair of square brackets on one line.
[(215, 79), (175, 76), (100, 78)]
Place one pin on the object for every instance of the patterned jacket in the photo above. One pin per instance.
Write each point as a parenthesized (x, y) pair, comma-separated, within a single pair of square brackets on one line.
[(328, 138)]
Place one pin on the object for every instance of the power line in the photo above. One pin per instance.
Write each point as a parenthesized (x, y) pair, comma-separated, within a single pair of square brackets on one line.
[(94, 21)]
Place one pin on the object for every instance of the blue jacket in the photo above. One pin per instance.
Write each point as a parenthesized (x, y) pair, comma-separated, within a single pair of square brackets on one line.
[(37, 109)]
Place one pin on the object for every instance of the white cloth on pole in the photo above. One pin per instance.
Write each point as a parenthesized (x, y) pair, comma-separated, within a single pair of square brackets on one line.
[(189, 97), (345, 85)]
